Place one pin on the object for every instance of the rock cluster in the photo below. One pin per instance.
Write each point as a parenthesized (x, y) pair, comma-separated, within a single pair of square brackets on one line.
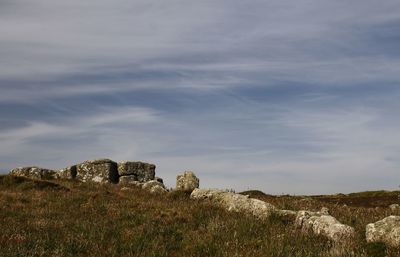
[(323, 224), (187, 181), (33, 172), (100, 170), (385, 231), (235, 202)]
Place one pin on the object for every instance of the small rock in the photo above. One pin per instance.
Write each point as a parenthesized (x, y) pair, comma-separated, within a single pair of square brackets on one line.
[(235, 202), (125, 189), (324, 225), (385, 231), (187, 182), (154, 186), (394, 206), (158, 190)]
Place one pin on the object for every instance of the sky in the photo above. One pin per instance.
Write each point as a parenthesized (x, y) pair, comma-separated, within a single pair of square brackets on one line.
[(287, 97)]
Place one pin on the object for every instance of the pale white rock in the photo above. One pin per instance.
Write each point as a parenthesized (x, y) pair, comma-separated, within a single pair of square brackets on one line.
[(324, 225), (153, 186), (187, 181), (385, 231), (235, 202), (394, 207)]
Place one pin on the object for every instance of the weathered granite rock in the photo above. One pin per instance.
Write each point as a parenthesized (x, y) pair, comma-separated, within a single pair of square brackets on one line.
[(126, 180), (235, 202), (143, 171), (101, 170), (394, 207), (324, 225), (187, 181), (385, 231), (67, 173), (153, 186), (33, 172)]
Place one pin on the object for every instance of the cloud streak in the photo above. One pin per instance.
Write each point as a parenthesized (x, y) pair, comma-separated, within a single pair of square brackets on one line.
[(295, 97)]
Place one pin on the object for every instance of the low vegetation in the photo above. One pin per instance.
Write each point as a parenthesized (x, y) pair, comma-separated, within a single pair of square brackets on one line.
[(68, 218)]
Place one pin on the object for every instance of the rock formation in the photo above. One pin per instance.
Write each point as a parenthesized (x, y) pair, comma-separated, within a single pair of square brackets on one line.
[(385, 231), (187, 181), (101, 170), (325, 225), (33, 172), (141, 170), (235, 202)]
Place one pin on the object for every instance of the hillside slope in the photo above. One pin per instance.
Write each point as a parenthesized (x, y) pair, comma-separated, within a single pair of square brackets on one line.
[(68, 218)]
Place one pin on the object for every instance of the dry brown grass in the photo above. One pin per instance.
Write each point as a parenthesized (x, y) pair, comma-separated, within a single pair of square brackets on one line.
[(80, 219)]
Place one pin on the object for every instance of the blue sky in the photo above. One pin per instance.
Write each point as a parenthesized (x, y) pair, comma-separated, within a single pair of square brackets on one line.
[(297, 97)]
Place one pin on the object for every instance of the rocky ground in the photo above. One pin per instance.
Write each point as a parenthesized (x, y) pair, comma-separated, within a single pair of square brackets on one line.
[(73, 218)]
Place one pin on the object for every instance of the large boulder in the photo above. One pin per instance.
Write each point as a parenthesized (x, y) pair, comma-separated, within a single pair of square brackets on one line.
[(143, 171), (67, 173), (235, 202), (33, 172), (385, 231), (101, 170), (187, 181), (325, 225)]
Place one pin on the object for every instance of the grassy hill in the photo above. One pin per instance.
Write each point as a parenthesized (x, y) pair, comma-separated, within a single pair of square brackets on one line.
[(68, 218)]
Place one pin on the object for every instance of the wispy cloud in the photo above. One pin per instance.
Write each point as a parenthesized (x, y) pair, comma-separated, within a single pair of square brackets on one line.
[(285, 96)]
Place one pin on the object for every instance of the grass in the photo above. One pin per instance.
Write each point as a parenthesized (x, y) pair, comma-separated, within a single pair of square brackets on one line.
[(68, 218)]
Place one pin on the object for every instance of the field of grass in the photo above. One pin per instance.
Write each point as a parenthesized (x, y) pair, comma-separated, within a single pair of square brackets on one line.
[(68, 218)]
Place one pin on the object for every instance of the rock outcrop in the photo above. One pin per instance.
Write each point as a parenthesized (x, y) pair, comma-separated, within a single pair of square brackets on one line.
[(33, 172), (187, 181), (235, 202), (101, 171), (385, 231), (325, 225)]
